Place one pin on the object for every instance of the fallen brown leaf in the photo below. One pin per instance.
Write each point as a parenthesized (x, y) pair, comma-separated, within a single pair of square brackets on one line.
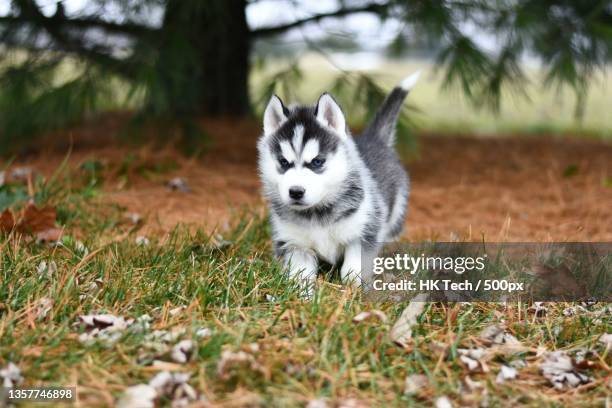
[(369, 315), (401, 332), (49, 235), (34, 220), (497, 334), (182, 351), (474, 359), (444, 402), (415, 383), (138, 396), (39, 222), (7, 221), (506, 373), (231, 360), (561, 371), (11, 375)]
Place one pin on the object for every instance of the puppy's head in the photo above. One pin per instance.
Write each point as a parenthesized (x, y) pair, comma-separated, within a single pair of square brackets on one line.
[(303, 153)]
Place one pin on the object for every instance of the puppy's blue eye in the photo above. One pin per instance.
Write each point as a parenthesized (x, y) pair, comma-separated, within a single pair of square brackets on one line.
[(317, 162), (283, 162)]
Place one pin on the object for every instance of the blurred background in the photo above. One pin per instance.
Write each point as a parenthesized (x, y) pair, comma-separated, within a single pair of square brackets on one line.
[(489, 66), (142, 90)]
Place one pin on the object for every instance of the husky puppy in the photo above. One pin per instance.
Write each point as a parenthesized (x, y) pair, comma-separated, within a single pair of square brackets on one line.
[(330, 195)]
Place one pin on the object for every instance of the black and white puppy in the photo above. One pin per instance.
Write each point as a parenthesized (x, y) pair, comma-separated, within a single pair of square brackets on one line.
[(332, 196)]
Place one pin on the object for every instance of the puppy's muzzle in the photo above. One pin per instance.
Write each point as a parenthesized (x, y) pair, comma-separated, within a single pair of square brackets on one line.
[(296, 193)]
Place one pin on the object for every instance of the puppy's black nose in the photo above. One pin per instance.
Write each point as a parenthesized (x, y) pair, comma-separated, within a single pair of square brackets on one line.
[(296, 192)]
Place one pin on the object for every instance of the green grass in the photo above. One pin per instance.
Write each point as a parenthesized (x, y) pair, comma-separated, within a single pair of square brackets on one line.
[(305, 349)]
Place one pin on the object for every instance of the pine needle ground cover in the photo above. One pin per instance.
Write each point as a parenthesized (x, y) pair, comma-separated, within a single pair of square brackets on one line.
[(194, 318)]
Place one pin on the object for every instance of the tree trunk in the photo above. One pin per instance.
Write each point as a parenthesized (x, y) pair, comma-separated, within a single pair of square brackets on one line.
[(204, 58)]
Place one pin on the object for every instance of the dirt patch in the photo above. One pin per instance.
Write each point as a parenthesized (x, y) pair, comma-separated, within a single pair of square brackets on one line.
[(512, 189), (508, 189)]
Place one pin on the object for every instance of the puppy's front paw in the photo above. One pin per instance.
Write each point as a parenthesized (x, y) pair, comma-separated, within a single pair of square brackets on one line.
[(303, 269), (351, 268), (351, 273), (306, 289)]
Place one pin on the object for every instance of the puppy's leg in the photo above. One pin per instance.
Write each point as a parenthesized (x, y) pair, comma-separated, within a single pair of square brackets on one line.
[(357, 267), (302, 265), (350, 273)]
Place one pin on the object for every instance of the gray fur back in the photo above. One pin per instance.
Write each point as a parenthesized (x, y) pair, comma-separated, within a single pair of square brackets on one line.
[(385, 166), (376, 148)]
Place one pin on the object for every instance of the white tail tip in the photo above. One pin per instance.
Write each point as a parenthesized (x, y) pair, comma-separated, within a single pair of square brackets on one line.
[(409, 82)]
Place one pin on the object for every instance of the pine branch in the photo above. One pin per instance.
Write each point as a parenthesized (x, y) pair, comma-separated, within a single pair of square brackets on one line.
[(368, 8), (87, 23), (29, 11)]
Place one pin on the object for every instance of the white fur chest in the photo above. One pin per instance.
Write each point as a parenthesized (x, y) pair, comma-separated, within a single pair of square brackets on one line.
[(326, 241)]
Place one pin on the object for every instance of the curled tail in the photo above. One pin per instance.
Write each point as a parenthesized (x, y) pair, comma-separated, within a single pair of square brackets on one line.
[(383, 125)]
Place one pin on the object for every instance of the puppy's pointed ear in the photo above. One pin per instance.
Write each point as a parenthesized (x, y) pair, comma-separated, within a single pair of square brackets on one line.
[(329, 114), (274, 115)]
